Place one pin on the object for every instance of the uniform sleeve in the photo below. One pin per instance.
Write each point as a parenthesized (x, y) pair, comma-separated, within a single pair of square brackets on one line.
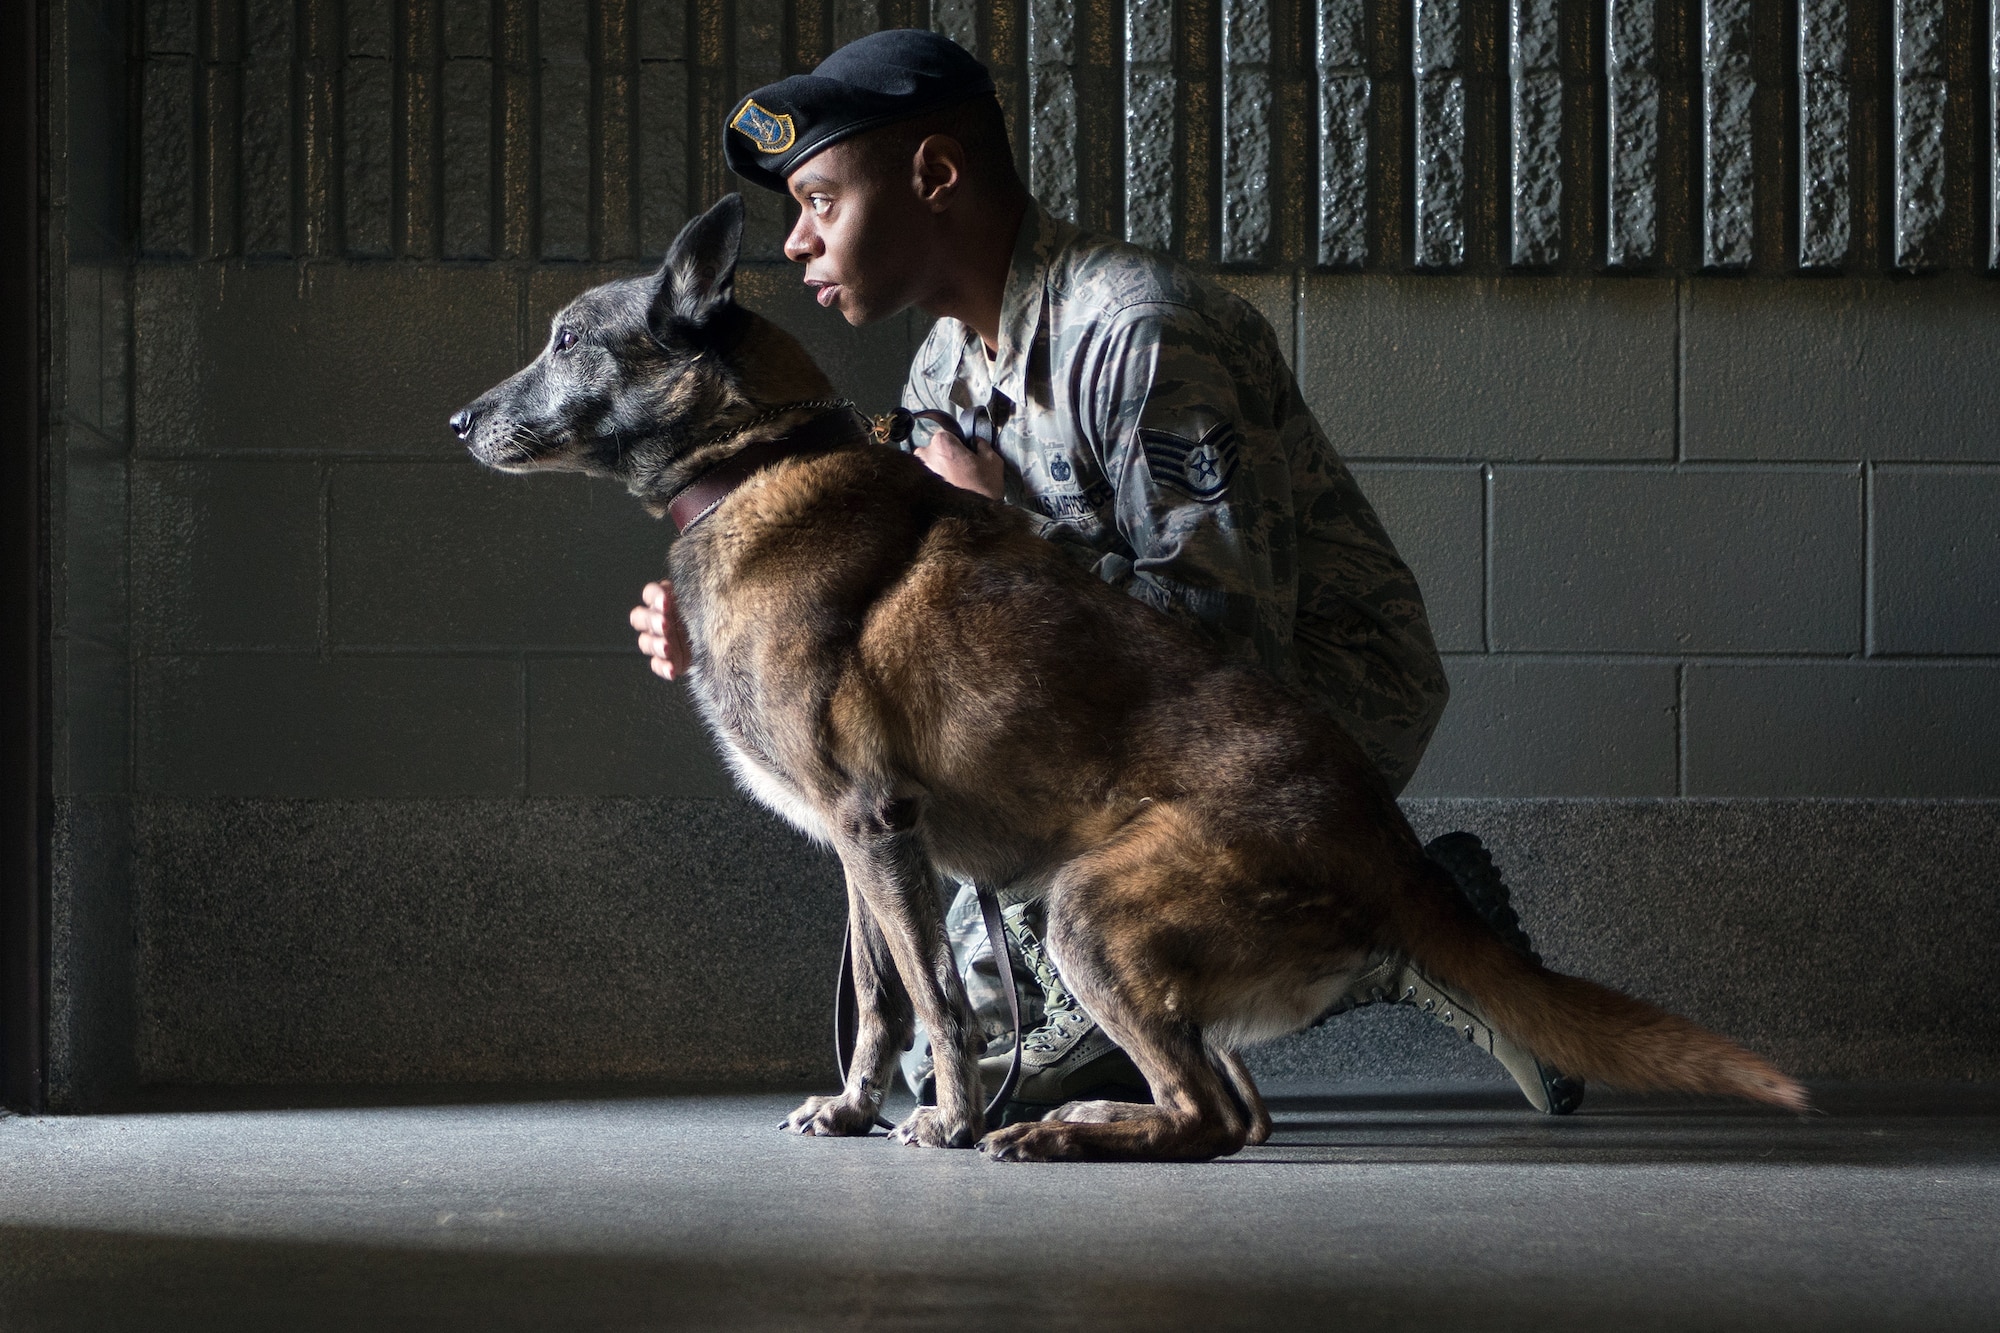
[(1179, 452)]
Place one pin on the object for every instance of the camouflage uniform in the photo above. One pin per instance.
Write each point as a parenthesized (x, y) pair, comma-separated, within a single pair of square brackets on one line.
[(1150, 425)]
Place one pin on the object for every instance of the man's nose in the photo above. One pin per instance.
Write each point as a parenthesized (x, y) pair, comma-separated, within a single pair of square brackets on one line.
[(461, 422), (803, 243)]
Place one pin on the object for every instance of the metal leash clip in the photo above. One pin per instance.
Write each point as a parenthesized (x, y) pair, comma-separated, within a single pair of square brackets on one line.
[(898, 427), (893, 428)]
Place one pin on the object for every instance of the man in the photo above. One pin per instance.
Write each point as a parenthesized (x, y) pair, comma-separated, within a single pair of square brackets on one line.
[(1148, 422)]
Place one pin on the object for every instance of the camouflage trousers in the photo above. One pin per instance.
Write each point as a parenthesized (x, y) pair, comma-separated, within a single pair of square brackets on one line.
[(966, 928)]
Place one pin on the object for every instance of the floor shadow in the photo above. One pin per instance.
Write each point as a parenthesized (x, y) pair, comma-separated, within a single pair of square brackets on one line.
[(1854, 1125), (89, 1281)]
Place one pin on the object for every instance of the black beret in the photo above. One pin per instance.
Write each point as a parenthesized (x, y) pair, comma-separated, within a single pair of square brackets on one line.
[(874, 80)]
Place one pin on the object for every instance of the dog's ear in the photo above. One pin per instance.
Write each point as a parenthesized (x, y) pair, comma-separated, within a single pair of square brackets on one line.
[(698, 278)]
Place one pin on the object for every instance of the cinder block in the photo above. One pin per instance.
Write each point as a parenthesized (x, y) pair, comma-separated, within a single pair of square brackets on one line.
[(296, 726), (468, 28), (98, 318), (1435, 515), (468, 159), (265, 157), (355, 358), (662, 30), (92, 753), (166, 158), (1937, 560), (1553, 729), (607, 726), (170, 26), (661, 146), (564, 31), (1652, 560), (1275, 298), (94, 589), (1843, 369), (1485, 368), (371, 28), (565, 183), (455, 555), (367, 95), (166, 363), (226, 554), (1843, 729)]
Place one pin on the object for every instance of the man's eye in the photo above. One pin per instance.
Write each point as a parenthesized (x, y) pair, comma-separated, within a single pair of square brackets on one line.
[(820, 203), (565, 339)]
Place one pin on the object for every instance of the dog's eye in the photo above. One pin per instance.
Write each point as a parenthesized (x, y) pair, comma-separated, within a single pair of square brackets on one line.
[(565, 339)]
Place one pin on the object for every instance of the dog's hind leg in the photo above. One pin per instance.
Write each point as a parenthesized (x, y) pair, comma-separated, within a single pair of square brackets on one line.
[(1194, 1116), (1246, 1092), (1150, 935)]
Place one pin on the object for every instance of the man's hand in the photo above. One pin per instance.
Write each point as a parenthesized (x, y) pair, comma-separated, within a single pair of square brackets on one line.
[(662, 637), (978, 469)]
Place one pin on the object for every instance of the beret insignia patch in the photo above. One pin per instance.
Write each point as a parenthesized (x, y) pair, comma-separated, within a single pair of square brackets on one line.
[(771, 133), (1199, 468)]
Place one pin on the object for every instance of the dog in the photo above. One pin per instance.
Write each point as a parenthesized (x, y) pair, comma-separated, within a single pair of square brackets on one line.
[(904, 671)]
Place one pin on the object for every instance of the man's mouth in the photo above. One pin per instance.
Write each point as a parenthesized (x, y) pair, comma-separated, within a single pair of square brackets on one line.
[(826, 293)]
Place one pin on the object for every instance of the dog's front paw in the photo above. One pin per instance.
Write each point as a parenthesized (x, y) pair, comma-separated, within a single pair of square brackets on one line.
[(1032, 1141), (830, 1116), (928, 1127)]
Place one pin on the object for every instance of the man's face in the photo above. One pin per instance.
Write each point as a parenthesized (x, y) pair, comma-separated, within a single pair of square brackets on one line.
[(862, 233)]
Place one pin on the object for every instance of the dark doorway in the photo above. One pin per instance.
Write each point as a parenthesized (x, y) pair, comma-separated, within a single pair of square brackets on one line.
[(23, 601)]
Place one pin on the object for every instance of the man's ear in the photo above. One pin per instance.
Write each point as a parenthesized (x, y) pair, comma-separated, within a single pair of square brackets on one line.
[(698, 278), (940, 170)]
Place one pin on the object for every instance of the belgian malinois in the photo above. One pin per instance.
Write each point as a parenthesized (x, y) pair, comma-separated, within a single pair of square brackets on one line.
[(905, 671)]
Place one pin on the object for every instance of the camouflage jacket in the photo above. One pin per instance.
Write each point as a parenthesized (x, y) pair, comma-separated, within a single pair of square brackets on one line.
[(1149, 422)]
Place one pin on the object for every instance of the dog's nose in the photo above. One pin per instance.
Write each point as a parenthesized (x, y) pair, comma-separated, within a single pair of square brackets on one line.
[(461, 422)]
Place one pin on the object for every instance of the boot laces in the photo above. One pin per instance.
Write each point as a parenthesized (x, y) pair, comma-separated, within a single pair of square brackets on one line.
[(1061, 1014)]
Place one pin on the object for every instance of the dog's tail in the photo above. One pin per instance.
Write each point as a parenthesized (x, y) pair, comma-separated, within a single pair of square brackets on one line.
[(1586, 1030)]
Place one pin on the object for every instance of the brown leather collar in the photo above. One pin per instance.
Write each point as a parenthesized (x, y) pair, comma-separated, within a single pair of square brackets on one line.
[(696, 500)]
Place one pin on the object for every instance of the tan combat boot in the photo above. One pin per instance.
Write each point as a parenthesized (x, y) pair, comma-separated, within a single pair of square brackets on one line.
[(1394, 979)]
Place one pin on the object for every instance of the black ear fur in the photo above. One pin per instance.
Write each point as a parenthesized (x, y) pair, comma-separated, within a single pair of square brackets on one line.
[(698, 279)]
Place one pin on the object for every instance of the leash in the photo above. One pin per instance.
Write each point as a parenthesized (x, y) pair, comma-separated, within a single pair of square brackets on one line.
[(846, 1021), (996, 939)]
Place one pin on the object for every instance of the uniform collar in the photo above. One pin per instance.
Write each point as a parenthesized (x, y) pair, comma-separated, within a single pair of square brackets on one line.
[(1043, 236)]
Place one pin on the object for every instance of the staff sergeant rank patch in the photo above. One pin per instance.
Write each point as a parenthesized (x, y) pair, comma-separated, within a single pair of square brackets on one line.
[(772, 133), (1201, 469)]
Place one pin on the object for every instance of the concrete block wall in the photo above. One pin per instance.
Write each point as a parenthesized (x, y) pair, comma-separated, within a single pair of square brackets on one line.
[(330, 600), (361, 779), (1757, 568)]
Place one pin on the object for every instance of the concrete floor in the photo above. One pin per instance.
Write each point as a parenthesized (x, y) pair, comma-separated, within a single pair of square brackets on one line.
[(1422, 1208)]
